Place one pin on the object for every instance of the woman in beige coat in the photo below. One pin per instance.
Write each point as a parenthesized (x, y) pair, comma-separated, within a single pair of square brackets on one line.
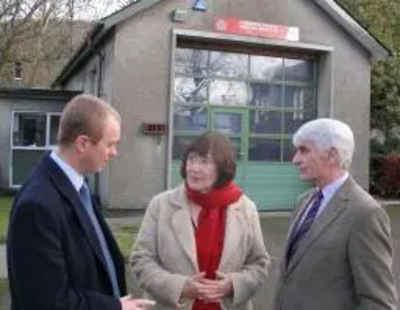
[(200, 246)]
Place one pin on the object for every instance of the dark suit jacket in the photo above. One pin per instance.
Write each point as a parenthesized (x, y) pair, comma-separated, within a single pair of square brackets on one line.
[(54, 257), (344, 262)]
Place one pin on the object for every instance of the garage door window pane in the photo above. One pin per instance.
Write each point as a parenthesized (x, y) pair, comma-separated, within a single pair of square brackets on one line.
[(228, 123), (228, 93), (265, 95), (268, 122), (298, 70), (191, 62), (266, 68), (189, 91), (190, 118), (264, 149), (228, 64), (288, 150), (293, 120), (180, 146), (299, 97)]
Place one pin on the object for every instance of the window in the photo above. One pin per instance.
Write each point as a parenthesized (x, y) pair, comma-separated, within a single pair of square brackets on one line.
[(274, 95), (35, 129), (29, 130), (32, 134), (54, 123)]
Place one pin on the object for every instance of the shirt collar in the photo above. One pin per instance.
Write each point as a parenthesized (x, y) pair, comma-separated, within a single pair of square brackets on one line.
[(75, 178), (330, 189)]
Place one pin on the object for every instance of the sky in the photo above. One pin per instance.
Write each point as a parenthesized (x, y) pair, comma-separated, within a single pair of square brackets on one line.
[(100, 9)]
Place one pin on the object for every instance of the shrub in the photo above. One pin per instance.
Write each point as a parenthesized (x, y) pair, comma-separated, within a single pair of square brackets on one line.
[(385, 175), (375, 179), (391, 175)]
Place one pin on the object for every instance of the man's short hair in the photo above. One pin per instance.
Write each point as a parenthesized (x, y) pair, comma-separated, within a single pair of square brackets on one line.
[(222, 152), (328, 134), (84, 115)]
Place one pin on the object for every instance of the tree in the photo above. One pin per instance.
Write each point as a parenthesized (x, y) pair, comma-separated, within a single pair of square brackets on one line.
[(382, 19), (43, 34)]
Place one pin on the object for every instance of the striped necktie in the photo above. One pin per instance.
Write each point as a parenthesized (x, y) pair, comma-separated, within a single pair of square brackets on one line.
[(305, 226)]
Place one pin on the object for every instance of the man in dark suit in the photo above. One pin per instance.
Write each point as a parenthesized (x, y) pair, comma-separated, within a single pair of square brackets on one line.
[(61, 254), (339, 249)]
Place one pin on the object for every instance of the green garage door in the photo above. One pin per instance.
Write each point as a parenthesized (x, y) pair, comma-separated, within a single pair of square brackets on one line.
[(258, 101), (272, 185)]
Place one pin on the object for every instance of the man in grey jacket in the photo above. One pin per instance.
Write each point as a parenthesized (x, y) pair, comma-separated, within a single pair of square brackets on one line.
[(338, 254)]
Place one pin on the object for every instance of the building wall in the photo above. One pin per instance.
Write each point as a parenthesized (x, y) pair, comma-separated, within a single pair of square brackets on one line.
[(97, 78), (141, 87), (87, 79), (350, 97)]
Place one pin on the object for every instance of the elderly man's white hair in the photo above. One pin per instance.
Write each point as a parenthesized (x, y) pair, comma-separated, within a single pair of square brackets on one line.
[(326, 134)]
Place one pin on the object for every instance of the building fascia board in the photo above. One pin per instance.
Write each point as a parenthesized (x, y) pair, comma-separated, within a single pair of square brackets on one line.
[(377, 50), (127, 12), (37, 93)]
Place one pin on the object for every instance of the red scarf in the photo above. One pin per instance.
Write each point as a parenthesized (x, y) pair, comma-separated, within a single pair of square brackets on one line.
[(211, 230)]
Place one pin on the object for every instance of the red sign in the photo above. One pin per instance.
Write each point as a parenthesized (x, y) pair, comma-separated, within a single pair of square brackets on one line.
[(255, 29), (153, 129)]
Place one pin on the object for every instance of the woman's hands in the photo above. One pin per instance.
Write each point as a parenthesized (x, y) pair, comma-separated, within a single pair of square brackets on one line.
[(217, 289), (206, 290), (193, 287)]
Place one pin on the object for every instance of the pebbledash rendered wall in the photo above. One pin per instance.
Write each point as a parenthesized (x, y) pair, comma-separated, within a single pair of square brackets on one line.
[(143, 48)]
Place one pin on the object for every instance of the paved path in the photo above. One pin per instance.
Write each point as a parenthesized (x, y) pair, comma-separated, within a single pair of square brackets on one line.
[(3, 264)]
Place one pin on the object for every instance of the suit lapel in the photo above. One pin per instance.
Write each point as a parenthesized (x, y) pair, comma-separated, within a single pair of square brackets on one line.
[(182, 223), (333, 209), (66, 189), (232, 239), (183, 226)]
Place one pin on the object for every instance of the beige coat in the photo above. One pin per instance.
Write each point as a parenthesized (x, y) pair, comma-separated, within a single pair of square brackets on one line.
[(344, 262), (165, 253)]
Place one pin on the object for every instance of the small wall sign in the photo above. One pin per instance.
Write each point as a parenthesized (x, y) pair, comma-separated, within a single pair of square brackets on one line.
[(153, 129), (255, 29)]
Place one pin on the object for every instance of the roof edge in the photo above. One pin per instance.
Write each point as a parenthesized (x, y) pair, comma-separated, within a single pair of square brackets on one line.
[(81, 53), (377, 50), (42, 93), (127, 12)]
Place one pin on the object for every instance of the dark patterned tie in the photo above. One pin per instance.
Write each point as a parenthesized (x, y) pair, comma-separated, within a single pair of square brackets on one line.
[(299, 233), (84, 195)]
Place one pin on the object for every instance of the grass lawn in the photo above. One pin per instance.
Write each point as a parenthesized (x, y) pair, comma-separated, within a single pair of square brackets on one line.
[(126, 236), (5, 206), (3, 286)]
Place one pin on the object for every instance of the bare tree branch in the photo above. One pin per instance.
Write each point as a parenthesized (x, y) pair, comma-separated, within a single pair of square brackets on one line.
[(35, 32)]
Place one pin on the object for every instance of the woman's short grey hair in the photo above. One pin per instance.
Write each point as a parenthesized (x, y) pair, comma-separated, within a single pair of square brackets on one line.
[(328, 134)]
